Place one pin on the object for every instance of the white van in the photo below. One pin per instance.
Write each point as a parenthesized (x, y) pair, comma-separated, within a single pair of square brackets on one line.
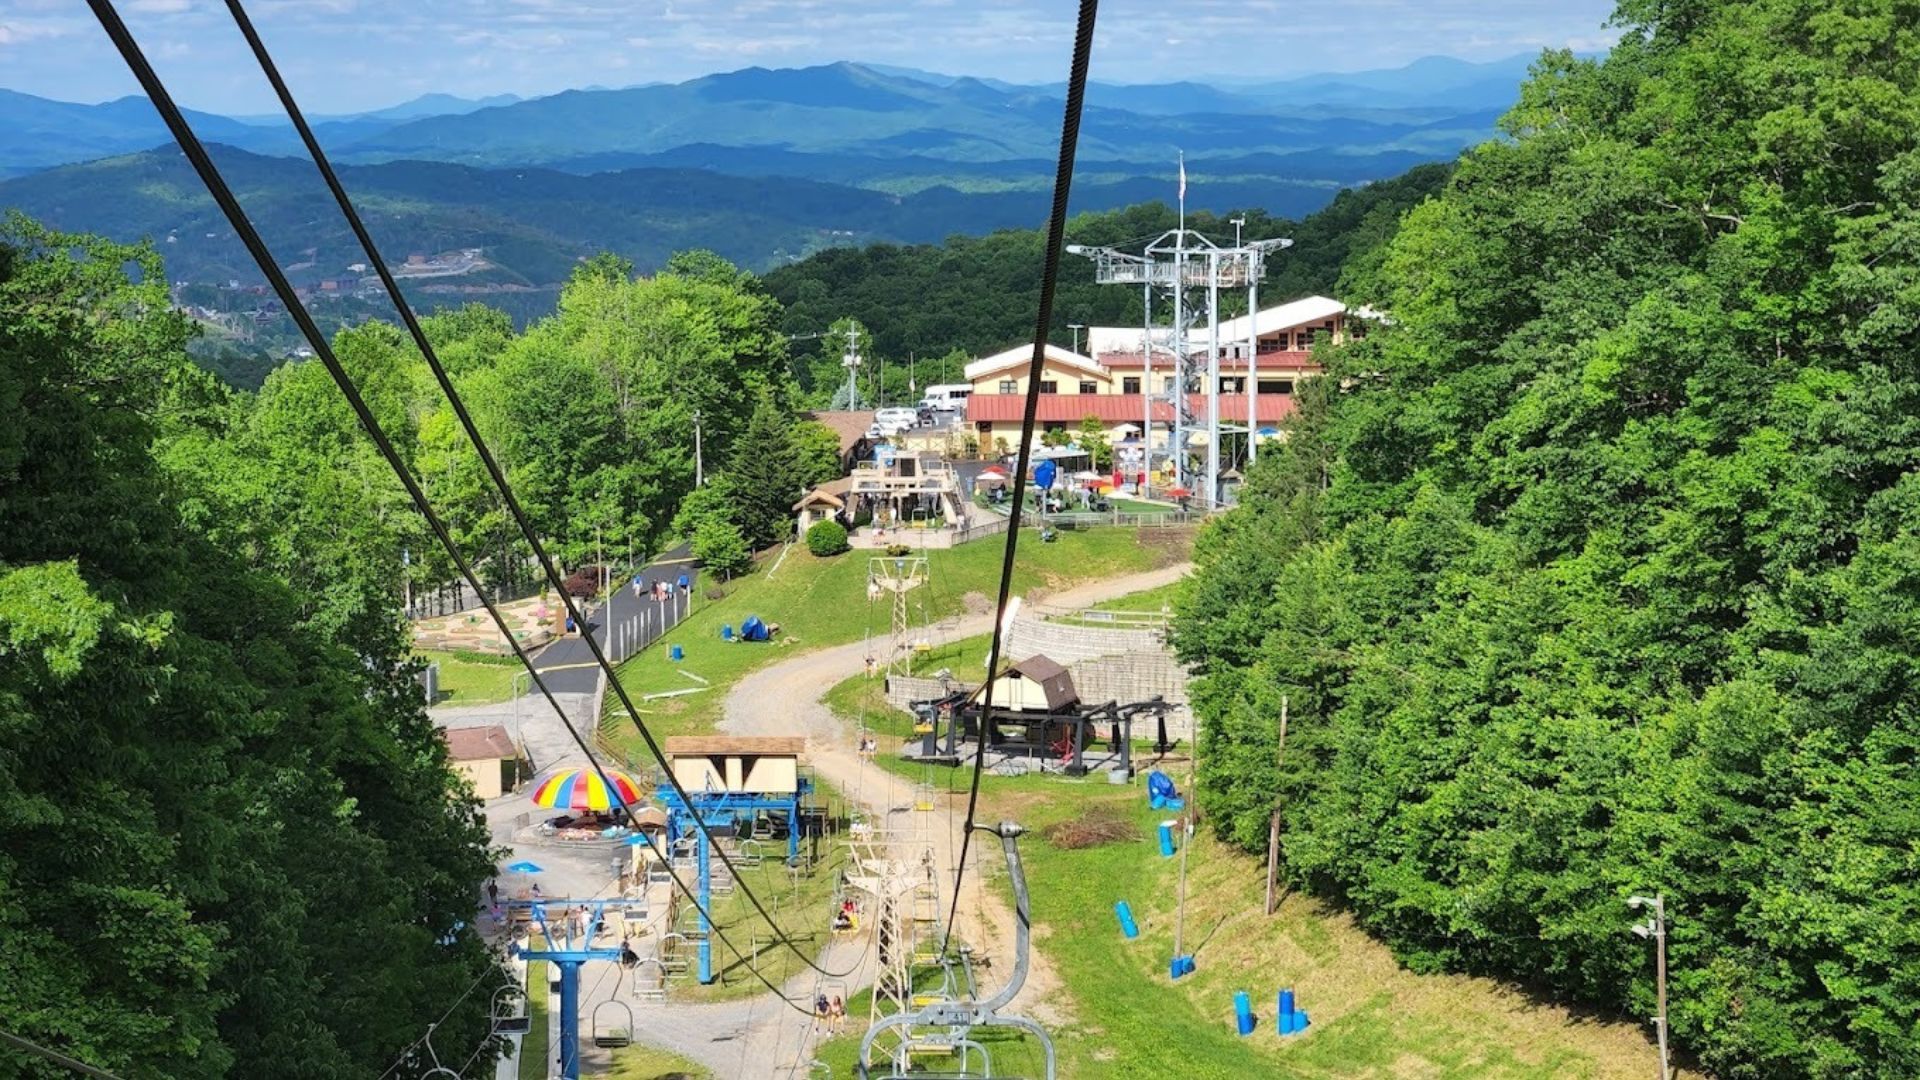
[(947, 397), (893, 421)]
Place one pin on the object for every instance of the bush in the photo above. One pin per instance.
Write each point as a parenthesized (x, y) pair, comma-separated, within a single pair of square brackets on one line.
[(583, 583), (827, 538)]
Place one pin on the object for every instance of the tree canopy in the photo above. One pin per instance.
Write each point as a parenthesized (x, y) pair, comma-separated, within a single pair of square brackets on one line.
[(230, 841), (1592, 572)]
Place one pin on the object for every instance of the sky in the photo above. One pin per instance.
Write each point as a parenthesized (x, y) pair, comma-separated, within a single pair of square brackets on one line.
[(348, 55)]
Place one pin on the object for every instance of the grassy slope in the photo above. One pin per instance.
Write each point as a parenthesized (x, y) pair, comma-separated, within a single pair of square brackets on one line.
[(473, 678), (649, 1063), (533, 1046), (823, 602), (1371, 1018)]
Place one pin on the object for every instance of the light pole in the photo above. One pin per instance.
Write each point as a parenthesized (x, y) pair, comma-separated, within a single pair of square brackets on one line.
[(699, 468), (1076, 328), (1656, 928), (517, 676)]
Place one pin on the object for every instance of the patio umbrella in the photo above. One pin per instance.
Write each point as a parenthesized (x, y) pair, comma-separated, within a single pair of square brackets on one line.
[(1102, 484), (1086, 474), (994, 470), (522, 867), (991, 479), (582, 789), (1178, 492)]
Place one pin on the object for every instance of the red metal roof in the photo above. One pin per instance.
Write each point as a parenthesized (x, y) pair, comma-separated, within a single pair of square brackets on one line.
[(1117, 408)]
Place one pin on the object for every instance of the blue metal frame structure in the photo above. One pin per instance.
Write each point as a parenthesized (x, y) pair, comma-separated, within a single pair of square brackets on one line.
[(721, 810), (568, 952)]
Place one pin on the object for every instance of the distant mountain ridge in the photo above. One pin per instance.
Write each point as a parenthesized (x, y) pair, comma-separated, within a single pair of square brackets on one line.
[(1431, 107)]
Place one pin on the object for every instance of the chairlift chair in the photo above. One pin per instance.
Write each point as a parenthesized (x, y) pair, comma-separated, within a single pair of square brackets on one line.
[(606, 1036), (510, 1013)]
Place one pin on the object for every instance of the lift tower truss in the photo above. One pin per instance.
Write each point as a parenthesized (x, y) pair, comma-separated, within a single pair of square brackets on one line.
[(1190, 270), (898, 575)]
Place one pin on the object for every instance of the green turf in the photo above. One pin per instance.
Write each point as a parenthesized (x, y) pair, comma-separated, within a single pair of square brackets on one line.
[(822, 602), (533, 1045), (640, 1062), (468, 678)]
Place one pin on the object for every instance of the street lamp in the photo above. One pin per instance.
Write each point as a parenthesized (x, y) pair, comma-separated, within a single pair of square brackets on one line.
[(1076, 328), (1655, 928)]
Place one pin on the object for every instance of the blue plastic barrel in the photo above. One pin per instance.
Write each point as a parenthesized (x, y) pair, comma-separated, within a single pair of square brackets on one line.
[(1166, 838), (1243, 1011), (1183, 965), (1127, 925), (726, 632), (1286, 1003), (675, 653)]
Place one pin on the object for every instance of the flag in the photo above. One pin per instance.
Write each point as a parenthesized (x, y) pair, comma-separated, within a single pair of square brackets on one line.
[(1183, 176)]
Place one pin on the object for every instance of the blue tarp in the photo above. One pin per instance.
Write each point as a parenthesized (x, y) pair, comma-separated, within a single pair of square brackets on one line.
[(754, 630), (1161, 794)]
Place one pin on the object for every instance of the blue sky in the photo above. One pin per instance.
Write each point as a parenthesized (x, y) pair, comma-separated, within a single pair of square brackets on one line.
[(344, 55)]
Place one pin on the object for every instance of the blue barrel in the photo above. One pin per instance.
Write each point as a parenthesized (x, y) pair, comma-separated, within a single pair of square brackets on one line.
[(1299, 1021), (726, 632), (1182, 965), (674, 652), (1285, 1003), (1166, 838), (1173, 969), (1127, 925), (1243, 1011)]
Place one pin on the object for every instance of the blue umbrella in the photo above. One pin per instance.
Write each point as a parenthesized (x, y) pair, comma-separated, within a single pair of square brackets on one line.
[(523, 867)]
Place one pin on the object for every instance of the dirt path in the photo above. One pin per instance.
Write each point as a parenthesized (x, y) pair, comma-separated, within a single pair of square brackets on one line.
[(785, 699)]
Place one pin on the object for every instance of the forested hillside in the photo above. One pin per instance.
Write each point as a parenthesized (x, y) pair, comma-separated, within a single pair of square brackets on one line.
[(229, 842), (1596, 571), (978, 294)]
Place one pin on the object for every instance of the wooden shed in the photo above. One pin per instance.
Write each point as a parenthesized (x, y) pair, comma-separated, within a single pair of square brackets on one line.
[(759, 765), (1035, 684), (486, 756)]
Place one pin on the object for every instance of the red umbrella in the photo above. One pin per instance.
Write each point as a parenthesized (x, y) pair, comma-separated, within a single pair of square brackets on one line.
[(993, 470), (1178, 492)]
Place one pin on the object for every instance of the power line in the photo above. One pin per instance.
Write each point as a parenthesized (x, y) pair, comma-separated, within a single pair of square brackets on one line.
[(497, 475), (1056, 235), (223, 196), (54, 1056)]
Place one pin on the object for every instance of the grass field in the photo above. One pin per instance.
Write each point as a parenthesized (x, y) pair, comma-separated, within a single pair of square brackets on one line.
[(639, 1062), (468, 678), (533, 1045), (822, 602)]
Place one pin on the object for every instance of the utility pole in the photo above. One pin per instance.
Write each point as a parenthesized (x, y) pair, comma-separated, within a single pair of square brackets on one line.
[(1076, 328), (1656, 928), (1273, 826), (699, 466), (852, 363)]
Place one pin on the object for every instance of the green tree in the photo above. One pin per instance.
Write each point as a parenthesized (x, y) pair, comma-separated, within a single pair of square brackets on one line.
[(1589, 571), (764, 474), (720, 546), (218, 789), (1092, 437), (816, 452)]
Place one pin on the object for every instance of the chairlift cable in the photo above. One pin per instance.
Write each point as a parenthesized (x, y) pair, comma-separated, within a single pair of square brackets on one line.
[(498, 477), (215, 182), (55, 1056), (1056, 233)]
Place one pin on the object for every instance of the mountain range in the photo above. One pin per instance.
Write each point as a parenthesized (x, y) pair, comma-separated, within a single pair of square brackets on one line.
[(761, 165)]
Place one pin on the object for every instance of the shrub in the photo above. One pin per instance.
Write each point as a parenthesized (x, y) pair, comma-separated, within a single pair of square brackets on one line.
[(720, 547), (583, 582), (827, 538)]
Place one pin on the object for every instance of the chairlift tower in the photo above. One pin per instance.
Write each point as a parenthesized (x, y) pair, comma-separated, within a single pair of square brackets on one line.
[(1190, 270), (898, 575)]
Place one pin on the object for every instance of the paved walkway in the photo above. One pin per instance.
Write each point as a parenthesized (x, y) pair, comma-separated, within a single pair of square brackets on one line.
[(631, 622)]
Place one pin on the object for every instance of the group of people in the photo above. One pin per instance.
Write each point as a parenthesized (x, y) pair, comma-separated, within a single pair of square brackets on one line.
[(834, 1012), (660, 590)]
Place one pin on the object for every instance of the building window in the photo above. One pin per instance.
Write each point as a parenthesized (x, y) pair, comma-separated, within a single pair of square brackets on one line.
[(1166, 385), (1276, 386), (1130, 385), (1048, 386), (1233, 385), (986, 427), (1009, 386), (1088, 386)]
